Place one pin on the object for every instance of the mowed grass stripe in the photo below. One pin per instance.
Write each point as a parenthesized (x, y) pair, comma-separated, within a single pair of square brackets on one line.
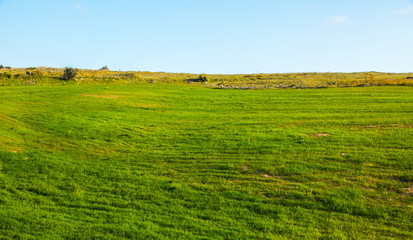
[(181, 161)]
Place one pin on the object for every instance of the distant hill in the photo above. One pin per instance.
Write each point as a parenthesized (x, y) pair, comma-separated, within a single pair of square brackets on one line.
[(52, 76)]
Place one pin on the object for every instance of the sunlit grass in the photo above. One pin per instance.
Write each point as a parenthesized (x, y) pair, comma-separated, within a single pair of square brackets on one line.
[(181, 161)]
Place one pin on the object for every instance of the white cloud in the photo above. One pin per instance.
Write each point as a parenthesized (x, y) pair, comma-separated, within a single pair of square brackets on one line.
[(340, 19), (80, 8), (404, 11)]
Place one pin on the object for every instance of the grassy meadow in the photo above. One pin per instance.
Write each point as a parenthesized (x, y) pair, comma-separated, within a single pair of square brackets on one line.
[(185, 161)]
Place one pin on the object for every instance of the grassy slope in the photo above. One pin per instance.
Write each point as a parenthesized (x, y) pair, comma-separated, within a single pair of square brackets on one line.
[(168, 161)]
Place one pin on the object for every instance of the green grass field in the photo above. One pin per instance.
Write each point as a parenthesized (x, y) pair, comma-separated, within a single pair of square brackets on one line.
[(163, 161)]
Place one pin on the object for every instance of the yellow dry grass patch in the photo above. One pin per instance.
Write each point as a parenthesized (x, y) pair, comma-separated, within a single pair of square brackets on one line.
[(286, 126), (368, 164), (102, 96), (145, 105), (402, 126), (390, 126), (10, 146), (6, 120)]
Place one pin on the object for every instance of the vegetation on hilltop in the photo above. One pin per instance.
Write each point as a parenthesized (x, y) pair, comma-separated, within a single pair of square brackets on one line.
[(69, 74), (52, 76)]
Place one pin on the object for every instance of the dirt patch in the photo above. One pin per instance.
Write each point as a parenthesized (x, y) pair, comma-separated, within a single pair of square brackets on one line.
[(409, 191), (402, 126), (102, 96), (320, 135)]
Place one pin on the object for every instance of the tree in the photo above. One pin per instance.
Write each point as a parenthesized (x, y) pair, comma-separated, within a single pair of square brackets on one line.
[(203, 78), (69, 73), (104, 68)]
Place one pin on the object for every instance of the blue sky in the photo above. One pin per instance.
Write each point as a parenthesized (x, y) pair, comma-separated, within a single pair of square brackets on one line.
[(210, 36)]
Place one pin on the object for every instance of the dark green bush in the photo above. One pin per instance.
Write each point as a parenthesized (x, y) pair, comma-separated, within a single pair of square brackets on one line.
[(203, 78), (6, 75), (69, 73)]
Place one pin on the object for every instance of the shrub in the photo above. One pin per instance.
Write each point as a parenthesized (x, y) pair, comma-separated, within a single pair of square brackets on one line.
[(203, 78), (129, 75), (69, 73), (37, 73), (104, 68), (1, 66), (6, 75)]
